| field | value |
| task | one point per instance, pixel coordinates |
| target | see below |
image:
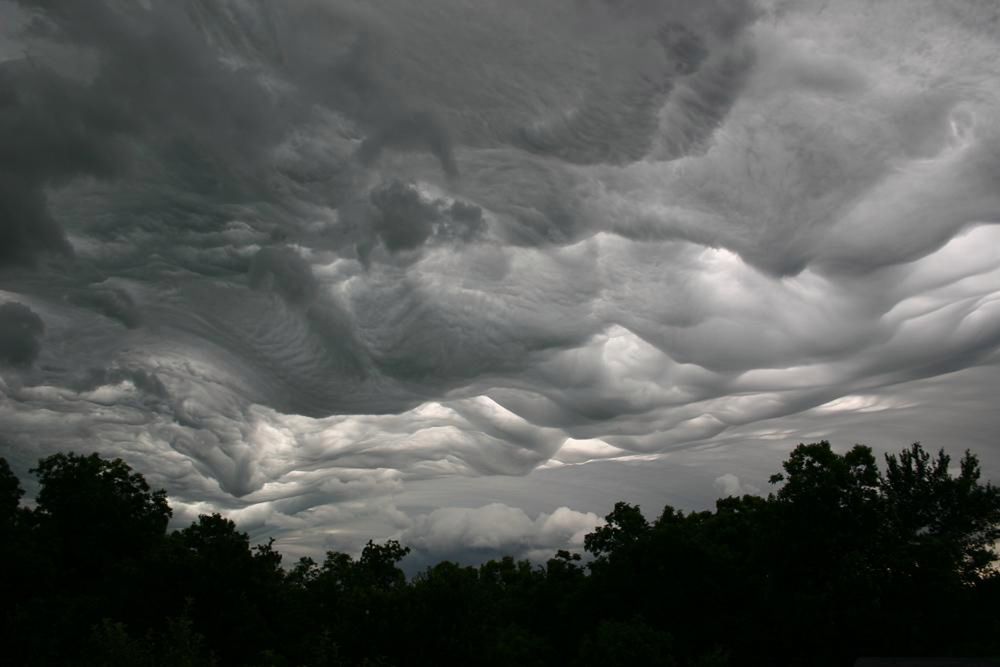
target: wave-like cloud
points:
(288, 260)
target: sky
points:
(464, 273)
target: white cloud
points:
(498, 528)
(730, 485)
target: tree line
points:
(843, 559)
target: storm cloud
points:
(20, 333)
(305, 262)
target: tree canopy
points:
(98, 503)
(843, 559)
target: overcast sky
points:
(466, 272)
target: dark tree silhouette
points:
(90, 505)
(934, 519)
(841, 560)
(625, 526)
(10, 496)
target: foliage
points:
(88, 502)
(10, 495)
(843, 559)
(625, 526)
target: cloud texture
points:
(293, 261)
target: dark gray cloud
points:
(340, 57)
(404, 219)
(142, 380)
(284, 271)
(116, 304)
(688, 59)
(21, 330)
(303, 261)
(51, 130)
(413, 130)
(151, 82)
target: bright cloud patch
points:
(498, 529)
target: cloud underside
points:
(292, 261)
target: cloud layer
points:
(295, 261)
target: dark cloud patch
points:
(341, 59)
(158, 99)
(684, 48)
(464, 222)
(21, 330)
(701, 99)
(283, 270)
(415, 130)
(147, 382)
(27, 228)
(466, 213)
(193, 94)
(116, 304)
(51, 131)
(403, 219)
(675, 63)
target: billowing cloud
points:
(116, 304)
(496, 529)
(298, 261)
(730, 485)
(285, 272)
(51, 131)
(21, 330)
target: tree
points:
(214, 538)
(841, 560)
(625, 526)
(13, 550)
(872, 555)
(632, 642)
(816, 475)
(84, 552)
(936, 522)
(829, 510)
(915, 517)
(97, 508)
(377, 566)
(10, 495)
(230, 589)
(176, 645)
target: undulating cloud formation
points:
(466, 272)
